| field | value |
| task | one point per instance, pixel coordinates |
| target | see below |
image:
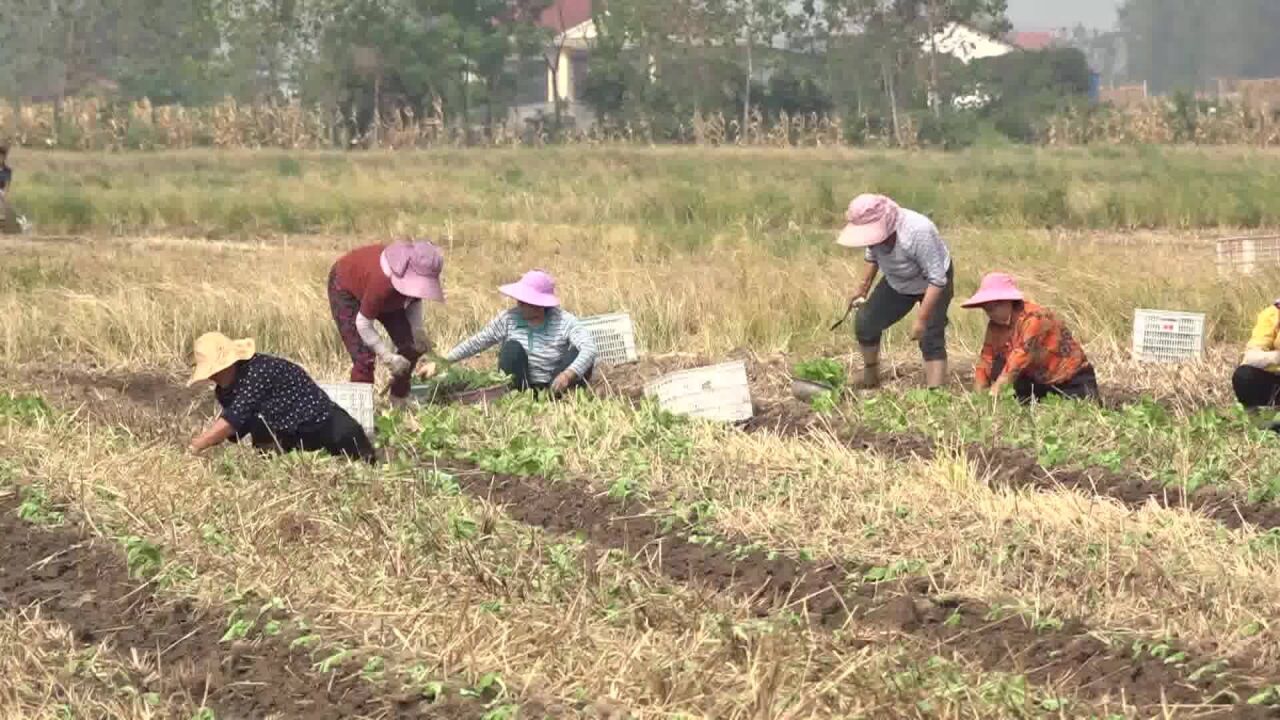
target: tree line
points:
(657, 61)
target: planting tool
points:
(806, 390)
(855, 304)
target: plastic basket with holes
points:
(356, 399)
(1167, 336)
(717, 392)
(615, 338)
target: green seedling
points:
(490, 686)
(24, 408)
(823, 371)
(272, 628)
(204, 713)
(374, 669)
(333, 661)
(36, 508)
(825, 403)
(238, 629)
(304, 641)
(502, 712)
(892, 571)
(1267, 696)
(143, 558)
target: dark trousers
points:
(514, 361)
(344, 307)
(1082, 386)
(887, 306)
(1256, 388)
(339, 435)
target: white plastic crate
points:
(1247, 255)
(615, 337)
(1167, 336)
(356, 399)
(717, 392)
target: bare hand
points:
(918, 328)
(563, 380)
(427, 371)
(859, 298)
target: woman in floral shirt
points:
(1027, 346)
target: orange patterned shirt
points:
(1036, 344)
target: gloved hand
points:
(422, 344)
(398, 364)
(1261, 359)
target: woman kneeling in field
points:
(542, 346)
(1027, 346)
(1257, 381)
(272, 401)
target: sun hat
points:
(995, 287)
(215, 352)
(536, 288)
(414, 269)
(871, 220)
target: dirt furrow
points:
(832, 594)
(84, 583)
(1016, 468)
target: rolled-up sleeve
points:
(580, 337)
(931, 255)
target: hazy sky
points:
(1045, 14)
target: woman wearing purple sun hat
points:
(906, 248)
(542, 346)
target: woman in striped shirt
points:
(541, 345)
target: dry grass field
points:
(897, 554)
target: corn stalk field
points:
(96, 124)
(894, 553)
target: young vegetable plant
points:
(823, 371)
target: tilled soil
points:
(831, 595)
(84, 584)
(1004, 466)
(1017, 468)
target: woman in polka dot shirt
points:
(272, 401)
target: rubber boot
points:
(870, 367)
(935, 373)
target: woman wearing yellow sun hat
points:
(272, 401)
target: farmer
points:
(1027, 346)
(906, 247)
(386, 283)
(1257, 381)
(272, 401)
(6, 172)
(541, 345)
(9, 222)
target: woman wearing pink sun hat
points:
(917, 267)
(1028, 347)
(387, 284)
(542, 346)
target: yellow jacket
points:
(1266, 334)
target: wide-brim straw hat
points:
(995, 287)
(215, 352)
